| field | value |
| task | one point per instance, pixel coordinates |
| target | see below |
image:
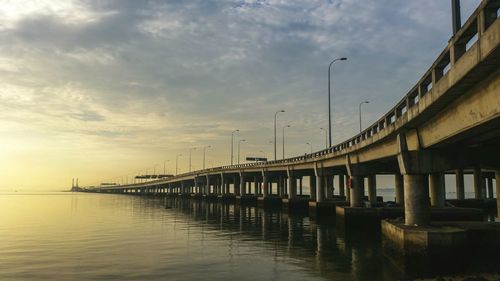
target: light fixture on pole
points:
(311, 146)
(232, 141)
(190, 150)
(360, 113)
(329, 102)
(326, 137)
(177, 164)
(204, 152)
(275, 115)
(287, 126)
(239, 142)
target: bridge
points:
(449, 122)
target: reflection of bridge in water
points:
(448, 122)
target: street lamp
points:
(232, 138)
(329, 103)
(311, 146)
(287, 126)
(360, 113)
(275, 114)
(326, 137)
(209, 146)
(239, 142)
(177, 163)
(190, 150)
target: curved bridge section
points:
(449, 121)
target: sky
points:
(102, 90)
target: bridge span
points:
(447, 123)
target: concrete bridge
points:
(449, 122)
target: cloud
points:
(156, 77)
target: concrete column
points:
(341, 185)
(497, 177)
(329, 187)
(398, 182)
(265, 187)
(312, 188)
(348, 190)
(256, 183)
(222, 185)
(437, 189)
(416, 191)
(372, 189)
(478, 183)
(243, 188)
(320, 194)
(460, 186)
(280, 186)
(358, 186)
(236, 186)
(300, 185)
(490, 187)
(292, 184)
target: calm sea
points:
(75, 236)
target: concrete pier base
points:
(417, 249)
(226, 197)
(295, 203)
(269, 201)
(246, 199)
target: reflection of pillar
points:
(312, 187)
(358, 186)
(478, 183)
(416, 190)
(398, 182)
(437, 190)
(341, 185)
(459, 173)
(372, 188)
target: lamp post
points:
(177, 164)
(311, 146)
(287, 126)
(239, 142)
(329, 98)
(326, 137)
(232, 141)
(190, 150)
(360, 113)
(205, 150)
(275, 115)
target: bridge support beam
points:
(292, 184)
(459, 174)
(372, 189)
(358, 186)
(400, 195)
(416, 190)
(437, 189)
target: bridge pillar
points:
(312, 187)
(265, 186)
(341, 185)
(280, 186)
(459, 174)
(237, 186)
(478, 183)
(329, 186)
(372, 189)
(398, 182)
(416, 192)
(358, 186)
(243, 188)
(497, 176)
(292, 184)
(437, 189)
(300, 185)
(256, 181)
(222, 185)
(490, 187)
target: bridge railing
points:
(463, 41)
